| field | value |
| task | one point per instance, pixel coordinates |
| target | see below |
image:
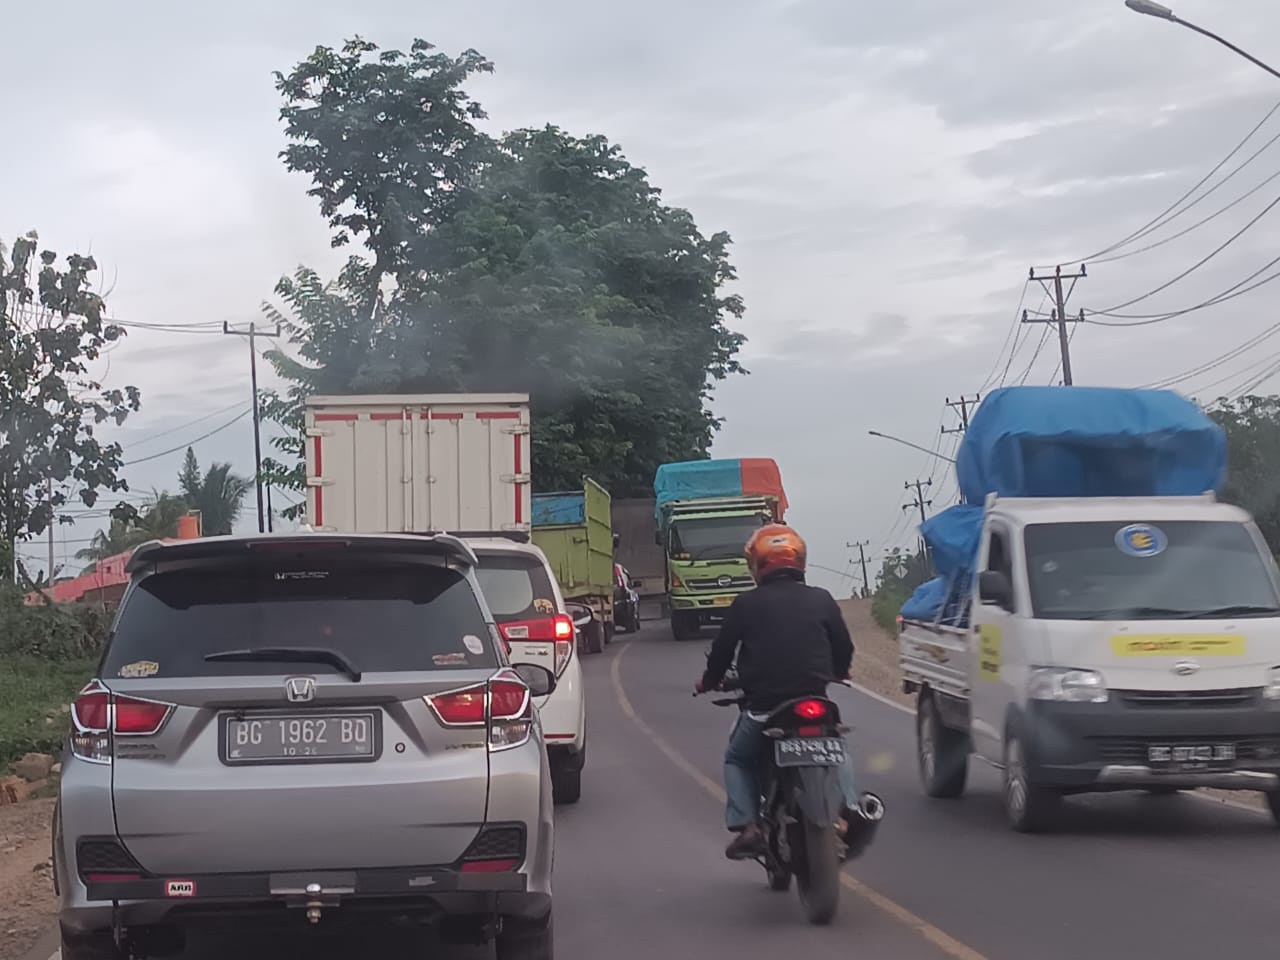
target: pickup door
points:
(997, 658)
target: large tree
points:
(52, 327)
(540, 262)
(1252, 426)
(158, 519)
(218, 494)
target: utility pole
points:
(49, 492)
(1060, 313)
(862, 559)
(253, 333)
(919, 503)
(962, 406)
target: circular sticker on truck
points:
(1141, 540)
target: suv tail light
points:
(98, 714)
(558, 630)
(503, 702)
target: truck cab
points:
(705, 567)
(1103, 643)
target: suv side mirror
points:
(540, 681)
(994, 587)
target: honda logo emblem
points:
(299, 689)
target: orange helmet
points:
(775, 546)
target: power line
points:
(1194, 267)
(204, 436)
(184, 426)
(1164, 216)
(1013, 332)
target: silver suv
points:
(307, 731)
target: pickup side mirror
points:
(635, 583)
(994, 587)
(540, 681)
(616, 540)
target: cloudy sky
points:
(888, 178)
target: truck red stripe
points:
(319, 490)
(443, 416)
(516, 486)
(498, 415)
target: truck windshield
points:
(713, 538)
(1166, 571)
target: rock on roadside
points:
(34, 766)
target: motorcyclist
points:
(789, 639)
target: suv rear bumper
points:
(427, 894)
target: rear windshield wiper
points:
(1237, 610)
(289, 655)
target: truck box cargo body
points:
(418, 462)
(706, 510)
(575, 532)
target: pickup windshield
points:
(1077, 571)
(713, 538)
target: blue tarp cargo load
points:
(1064, 442)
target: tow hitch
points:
(313, 894)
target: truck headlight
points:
(1069, 686)
(1272, 690)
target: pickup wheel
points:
(941, 753)
(94, 946)
(526, 940)
(1029, 807)
(593, 636)
(1273, 804)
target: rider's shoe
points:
(747, 844)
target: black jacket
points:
(787, 636)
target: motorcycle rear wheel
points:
(818, 879)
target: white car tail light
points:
(558, 630)
(503, 704)
(98, 715)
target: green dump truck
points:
(575, 531)
(706, 511)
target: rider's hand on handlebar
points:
(699, 688)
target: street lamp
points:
(1150, 8)
(908, 443)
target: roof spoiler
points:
(208, 548)
(515, 536)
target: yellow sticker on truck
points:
(1178, 645)
(989, 652)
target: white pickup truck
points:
(1105, 644)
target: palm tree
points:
(157, 520)
(218, 495)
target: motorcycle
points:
(801, 801)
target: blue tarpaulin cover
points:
(1089, 442)
(697, 479)
(559, 509)
(1064, 442)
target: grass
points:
(31, 688)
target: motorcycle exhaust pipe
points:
(863, 822)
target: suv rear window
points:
(382, 615)
(517, 587)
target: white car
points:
(531, 614)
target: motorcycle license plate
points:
(809, 752)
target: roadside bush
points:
(887, 603)
(49, 632)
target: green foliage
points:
(1252, 426)
(33, 695)
(157, 520)
(900, 574)
(218, 495)
(51, 631)
(543, 263)
(50, 405)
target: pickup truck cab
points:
(1103, 644)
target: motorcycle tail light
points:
(810, 709)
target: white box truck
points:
(413, 463)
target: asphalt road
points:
(640, 870)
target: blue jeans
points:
(741, 778)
